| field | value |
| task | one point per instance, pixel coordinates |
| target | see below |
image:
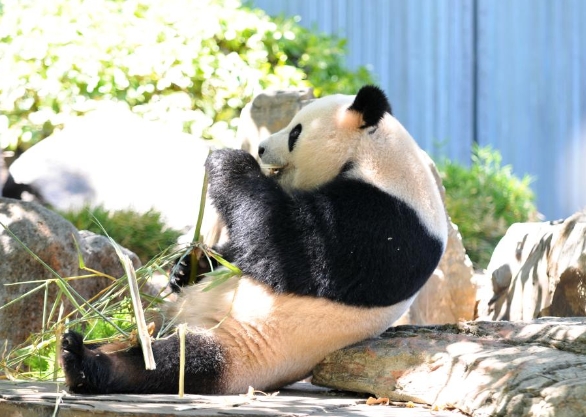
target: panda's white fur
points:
(276, 338)
(303, 294)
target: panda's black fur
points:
(313, 243)
(372, 108)
(343, 249)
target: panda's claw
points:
(180, 273)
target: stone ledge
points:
(39, 399)
(481, 368)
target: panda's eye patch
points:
(293, 136)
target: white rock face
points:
(114, 158)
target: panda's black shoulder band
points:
(372, 103)
(348, 166)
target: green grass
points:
(144, 234)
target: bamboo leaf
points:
(235, 270)
(79, 255)
(197, 238)
(219, 278)
(23, 296)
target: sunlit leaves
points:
(191, 64)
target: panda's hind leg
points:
(114, 368)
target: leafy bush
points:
(319, 56)
(144, 234)
(192, 64)
(484, 200)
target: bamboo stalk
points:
(197, 238)
(181, 330)
(141, 327)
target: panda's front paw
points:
(179, 276)
(181, 272)
(226, 164)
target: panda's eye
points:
(293, 136)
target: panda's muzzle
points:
(272, 169)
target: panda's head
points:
(333, 134)
(323, 138)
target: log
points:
(480, 368)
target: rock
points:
(481, 368)
(38, 398)
(2, 171)
(537, 269)
(450, 293)
(52, 239)
(114, 158)
(99, 254)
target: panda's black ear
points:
(372, 103)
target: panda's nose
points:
(261, 150)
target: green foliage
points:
(319, 56)
(98, 329)
(484, 200)
(191, 64)
(38, 359)
(144, 234)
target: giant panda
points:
(334, 246)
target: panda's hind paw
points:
(72, 360)
(72, 343)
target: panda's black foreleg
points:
(116, 369)
(248, 201)
(259, 215)
(265, 235)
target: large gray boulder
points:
(114, 158)
(52, 239)
(267, 113)
(537, 269)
